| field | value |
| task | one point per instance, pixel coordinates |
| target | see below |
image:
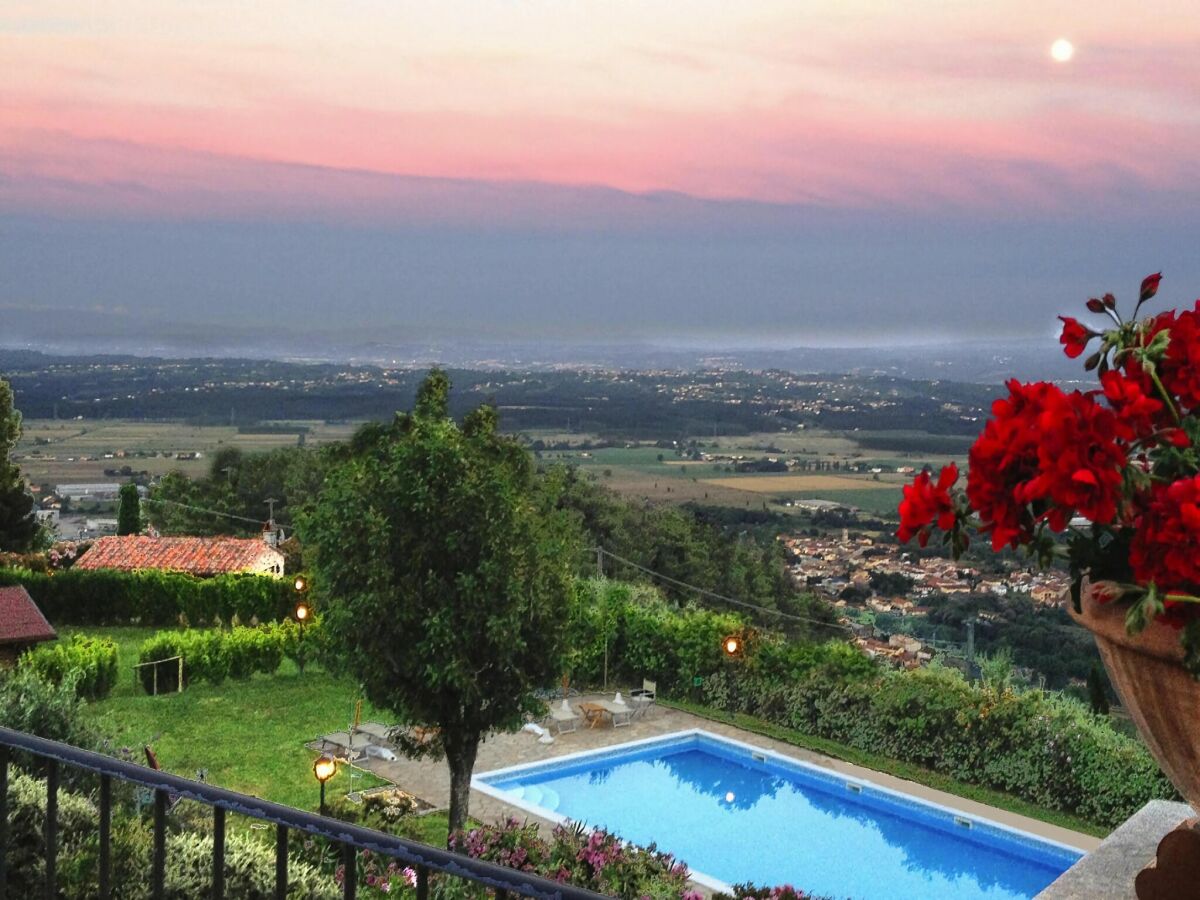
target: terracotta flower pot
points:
(1161, 697)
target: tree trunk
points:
(460, 757)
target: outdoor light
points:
(729, 798)
(732, 645)
(303, 612)
(324, 768)
(300, 584)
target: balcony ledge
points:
(1109, 870)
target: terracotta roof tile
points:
(194, 555)
(21, 622)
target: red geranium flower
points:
(1080, 460)
(1179, 369)
(1004, 463)
(1140, 415)
(1166, 544)
(1074, 337)
(925, 504)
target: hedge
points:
(92, 661)
(1046, 749)
(645, 637)
(213, 655)
(109, 597)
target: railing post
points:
(158, 871)
(349, 872)
(105, 837)
(281, 861)
(218, 892)
(3, 823)
(422, 883)
(51, 833)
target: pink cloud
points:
(778, 109)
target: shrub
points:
(26, 844)
(212, 655)
(595, 860)
(33, 704)
(644, 635)
(107, 597)
(93, 660)
(754, 892)
(249, 863)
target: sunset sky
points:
(597, 168)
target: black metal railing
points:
(424, 859)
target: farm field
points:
(794, 484)
(58, 452)
(658, 475)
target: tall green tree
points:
(443, 577)
(129, 513)
(1097, 695)
(19, 528)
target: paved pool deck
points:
(430, 779)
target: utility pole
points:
(600, 562)
(971, 645)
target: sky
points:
(830, 171)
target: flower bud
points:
(1150, 286)
(1110, 301)
(1096, 306)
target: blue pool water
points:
(737, 815)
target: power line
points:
(721, 597)
(199, 509)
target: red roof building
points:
(21, 623)
(193, 555)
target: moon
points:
(1062, 50)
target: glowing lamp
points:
(732, 645)
(302, 612)
(325, 768)
(729, 798)
(300, 584)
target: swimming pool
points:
(736, 813)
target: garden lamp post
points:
(733, 646)
(303, 611)
(324, 768)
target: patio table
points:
(593, 713)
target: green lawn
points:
(899, 769)
(249, 735)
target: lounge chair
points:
(618, 710)
(563, 718)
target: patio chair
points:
(644, 697)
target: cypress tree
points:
(129, 513)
